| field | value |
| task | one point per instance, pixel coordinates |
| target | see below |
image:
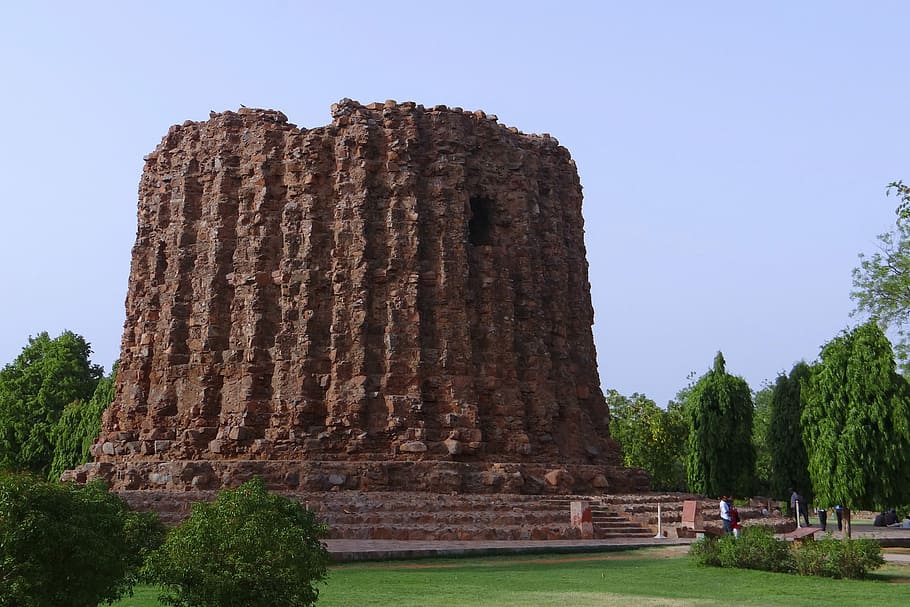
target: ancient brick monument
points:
(398, 300)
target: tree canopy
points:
(881, 283)
(650, 438)
(35, 388)
(789, 462)
(761, 421)
(78, 426)
(856, 423)
(721, 458)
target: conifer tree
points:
(789, 462)
(721, 458)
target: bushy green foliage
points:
(756, 548)
(828, 557)
(249, 548)
(789, 461)
(78, 426)
(706, 551)
(62, 546)
(856, 423)
(650, 438)
(721, 459)
(34, 389)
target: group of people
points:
(889, 519)
(729, 515)
(800, 508)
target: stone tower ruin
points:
(398, 300)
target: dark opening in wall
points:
(480, 225)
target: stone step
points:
(612, 536)
(622, 529)
(452, 518)
(464, 533)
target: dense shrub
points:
(852, 559)
(706, 551)
(62, 546)
(249, 548)
(757, 548)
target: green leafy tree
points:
(881, 283)
(721, 459)
(650, 438)
(62, 546)
(856, 423)
(78, 426)
(789, 461)
(34, 390)
(761, 420)
(249, 548)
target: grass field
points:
(649, 577)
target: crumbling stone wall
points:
(403, 285)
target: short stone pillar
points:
(582, 519)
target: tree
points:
(34, 389)
(881, 283)
(650, 438)
(761, 420)
(249, 548)
(78, 426)
(789, 462)
(856, 423)
(67, 546)
(721, 459)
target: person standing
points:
(798, 507)
(725, 515)
(838, 512)
(823, 518)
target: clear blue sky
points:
(734, 155)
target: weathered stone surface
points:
(404, 286)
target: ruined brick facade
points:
(399, 299)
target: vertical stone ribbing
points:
(216, 246)
(376, 292)
(316, 295)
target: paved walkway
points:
(383, 550)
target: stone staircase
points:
(610, 524)
(608, 520)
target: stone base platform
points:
(409, 516)
(418, 516)
(433, 476)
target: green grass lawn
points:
(647, 577)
